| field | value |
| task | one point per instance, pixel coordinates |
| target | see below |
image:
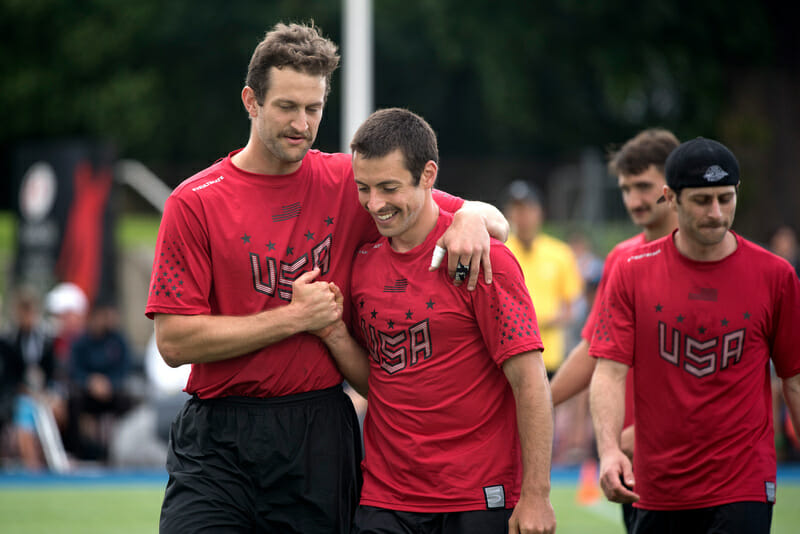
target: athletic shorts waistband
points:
(283, 400)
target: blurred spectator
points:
(100, 364)
(550, 269)
(39, 390)
(12, 373)
(140, 439)
(784, 243)
(66, 305)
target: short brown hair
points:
(648, 147)
(386, 130)
(297, 46)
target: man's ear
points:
(250, 102)
(429, 173)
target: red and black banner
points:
(65, 217)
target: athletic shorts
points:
(372, 520)
(734, 518)
(628, 517)
(285, 465)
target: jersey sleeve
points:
(614, 327)
(786, 318)
(181, 277)
(446, 201)
(503, 309)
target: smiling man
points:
(458, 427)
(697, 315)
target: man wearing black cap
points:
(698, 315)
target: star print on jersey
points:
(396, 286)
(309, 235)
(429, 305)
(409, 314)
(328, 221)
(270, 246)
(286, 212)
(168, 276)
(245, 238)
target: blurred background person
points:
(555, 284)
(784, 243)
(100, 364)
(31, 338)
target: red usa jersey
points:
(440, 431)
(232, 242)
(700, 336)
(589, 326)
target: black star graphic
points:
(390, 324)
(270, 246)
(374, 314)
(659, 307)
(680, 318)
(409, 313)
(309, 235)
(702, 330)
(429, 304)
(245, 238)
(724, 322)
(289, 251)
(328, 221)
(746, 315)
(361, 304)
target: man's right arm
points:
(607, 399)
(183, 339)
(574, 375)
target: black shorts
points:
(628, 517)
(734, 518)
(372, 520)
(288, 464)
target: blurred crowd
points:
(74, 391)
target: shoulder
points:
(644, 255)
(206, 178)
(333, 165)
(757, 255)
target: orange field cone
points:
(588, 489)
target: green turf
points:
(134, 510)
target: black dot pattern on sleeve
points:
(170, 267)
(513, 314)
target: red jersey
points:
(700, 336)
(231, 242)
(589, 326)
(440, 431)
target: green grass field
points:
(93, 509)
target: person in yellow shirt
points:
(549, 266)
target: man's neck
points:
(258, 160)
(697, 252)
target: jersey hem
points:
(434, 509)
(700, 504)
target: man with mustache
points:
(698, 315)
(246, 250)
(639, 167)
